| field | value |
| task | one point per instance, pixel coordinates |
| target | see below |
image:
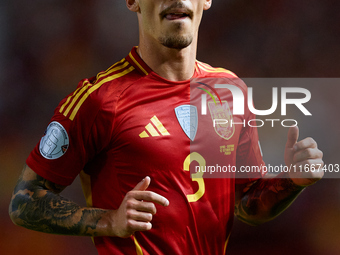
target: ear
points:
(132, 5)
(207, 4)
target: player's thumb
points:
(143, 184)
(293, 136)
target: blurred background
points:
(47, 46)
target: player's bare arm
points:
(266, 198)
(36, 204)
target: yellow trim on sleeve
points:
(95, 87)
(69, 98)
(86, 85)
(111, 69)
(79, 93)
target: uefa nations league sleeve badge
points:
(55, 142)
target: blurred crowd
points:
(47, 46)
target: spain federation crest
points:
(188, 119)
(218, 111)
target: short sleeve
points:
(79, 129)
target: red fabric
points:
(105, 141)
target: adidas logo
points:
(155, 128)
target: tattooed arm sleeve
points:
(37, 205)
(264, 199)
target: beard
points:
(176, 41)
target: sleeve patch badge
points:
(55, 142)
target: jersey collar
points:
(134, 59)
(137, 62)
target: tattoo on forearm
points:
(38, 206)
(267, 196)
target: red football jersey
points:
(127, 123)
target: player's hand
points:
(136, 210)
(304, 155)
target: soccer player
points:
(126, 132)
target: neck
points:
(171, 64)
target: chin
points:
(176, 42)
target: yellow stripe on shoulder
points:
(97, 86)
(69, 99)
(113, 68)
(76, 96)
(86, 84)
(210, 69)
